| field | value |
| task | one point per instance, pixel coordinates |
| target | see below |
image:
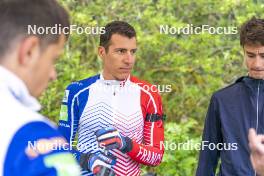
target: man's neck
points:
(107, 76)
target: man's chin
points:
(256, 76)
(37, 93)
(122, 77)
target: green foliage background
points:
(194, 65)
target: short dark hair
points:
(252, 32)
(116, 27)
(16, 15)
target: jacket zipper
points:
(257, 115)
(257, 109)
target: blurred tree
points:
(193, 65)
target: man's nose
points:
(129, 58)
(259, 62)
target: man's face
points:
(119, 60)
(254, 59)
(43, 69)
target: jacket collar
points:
(252, 83)
(18, 89)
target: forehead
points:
(120, 41)
(254, 48)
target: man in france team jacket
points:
(115, 110)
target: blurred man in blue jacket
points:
(30, 144)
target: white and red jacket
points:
(132, 106)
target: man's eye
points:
(121, 51)
(133, 51)
(251, 56)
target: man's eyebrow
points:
(251, 53)
(117, 49)
(120, 49)
(248, 52)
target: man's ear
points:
(101, 51)
(29, 50)
(244, 59)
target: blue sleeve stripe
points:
(90, 82)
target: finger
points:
(253, 139)
(110, 141)
(251, 134)
(113, 143)
(106, 159)
(99, 162)
(252, 161)
(261, 138)
(257, 148)
(104, 131)
(260, 148)
(111, 146)
(107, 136)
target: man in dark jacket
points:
(234, 110)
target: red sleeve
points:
(152, 149)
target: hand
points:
(256, 145)
(97, 161)
(110, 138)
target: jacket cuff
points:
(129, 145)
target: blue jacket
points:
(232, 111)
(30, 144)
